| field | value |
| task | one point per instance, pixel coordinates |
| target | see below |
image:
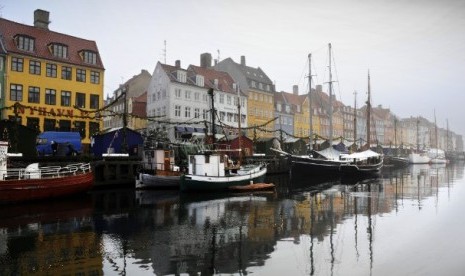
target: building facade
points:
(50, 80)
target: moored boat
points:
(362, 163)
(37, 183)
(210, 172)
(158, 170)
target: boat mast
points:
(239, 135)
(355, 119)
(368, 112)
(330, 100)
(210, 92)
(418, 134)
(310, 132)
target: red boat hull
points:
(37, 189)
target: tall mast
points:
(436, 131)
(418, 134)
(355, 119)
(330, 100)
(210, 92)
(239, 123)
(368, 112)
(310, 132)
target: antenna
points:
(218, 55)
(164, 52)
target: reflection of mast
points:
(331, 233)
(312, 221)
(370, 229)
(356, 222)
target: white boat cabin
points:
(207, 164)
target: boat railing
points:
(45, 172)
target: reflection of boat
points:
(35, 183)
(158, 170)
(418, 157)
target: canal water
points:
(406, 222)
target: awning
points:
(190, 129)
(179, 129)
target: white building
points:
(178, 102)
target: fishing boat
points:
(214, 171)
(37, 183)
(158, 170)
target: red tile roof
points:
(225, 81)
(43, 38)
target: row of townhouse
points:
(178, 103)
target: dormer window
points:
(199, 80)
(59, 50)
(89, 57)
(181, 76)
(25, 43)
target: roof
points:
(139, 106)
(43, 38)
(225, 81)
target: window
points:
(228, 100)
(81, 75)
(196, 96)
(94, 77)
(94, 101)
(65, 98)
(222, 114)
(34, 95)
(32, 123)
(94, 128)
(187, 112)
(188, 94)
(221, 98)
(34, 67)
(17, 64)
(59, 50)
(50, 96)
(90, 57)
(25, 43)
(81, 127)
(16, 92)
(177, 92)
(80, 100)
(49, 124)
(64, 125)
(196, 112)
(51, 70)
(177, 111)
(66, 72)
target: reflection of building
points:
(56, 78)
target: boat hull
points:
(154, 181)
(213, 183)
(314, 166)
(416, 158)
(12, 191)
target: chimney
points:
(177, 63)
(319, 88)
(205, 60)
(41, 19)
(243, 60)
(295, 89)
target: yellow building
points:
(50, 81)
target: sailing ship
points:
(366, 162)
(214, 171)
(37, 183)
(437, 155)
(327, 161)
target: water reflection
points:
(325, 225)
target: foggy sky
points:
(414, 50)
